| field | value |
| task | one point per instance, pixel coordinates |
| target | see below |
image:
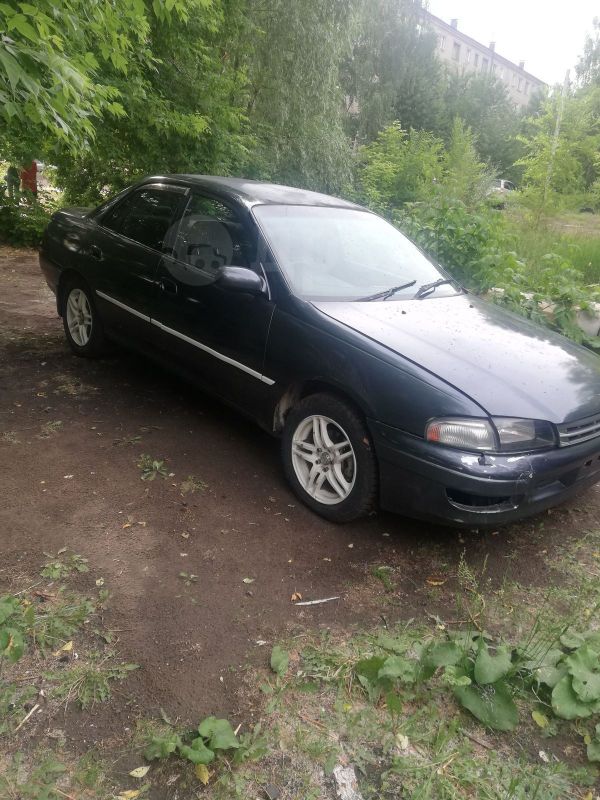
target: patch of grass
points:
(50, 428)
(384, 575)
(411, 740)
(42, 775)
(569, 237)
(89, 683)
(56, 621)
(127, 440)
(191, 485)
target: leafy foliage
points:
(57, 58)
(22, 224)
(214, 736)
(63, 564)
(150, 468)
(393, 73)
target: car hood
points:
(506, 364)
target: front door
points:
(217, 334)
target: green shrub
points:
(453, 235)
(22, 224)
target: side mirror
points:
(240, 279)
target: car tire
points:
(81, 321)
(328, 458)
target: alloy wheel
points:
(79, 317)
(323, 459)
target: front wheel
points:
(82, 324)
(328, 458)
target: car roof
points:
(252, 193)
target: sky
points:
(548, 35)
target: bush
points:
(22, 224)
(453, 235)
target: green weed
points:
(89, 683)
(62, 565)
(151, 468)
(191, 485)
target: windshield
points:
(343, 253)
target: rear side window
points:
(145, 216)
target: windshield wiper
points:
(426, 288)
(386, 293)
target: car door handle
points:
(167, 285)
(95, 252)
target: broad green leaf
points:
(572, 640)
(162, 746)
(566, 703)
(396, 667)
(444, 654)
(491, 668)
(393, 703)
(12, 68)
(455, 675)
(219, 733)
(8, 606)
(367, 669)
(584, 666)
(593, 750)
(25, 27)
(280, 660)
(197, 752)
(492, 704)
(12, 644)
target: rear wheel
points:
(328, 458)
(82, 324)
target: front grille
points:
(581, 430)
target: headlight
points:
(505, 435)
(464, 434)
(523, 434)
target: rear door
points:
(217, 334)
(128, 242)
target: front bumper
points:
(452, 487)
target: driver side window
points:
(211, 236)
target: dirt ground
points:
(70, 479)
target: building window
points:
(484, 65)
(456, 51)
(468, 56)
(520, 86)
(442, 42)
(476, 60)
(514, 80)
(527, 87)
(493, 69)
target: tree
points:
(588, 68)
(51, 57)
(184, 109)
(295, 104)
(393, 73)
(482, 102)
(399, 167)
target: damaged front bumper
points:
(452, 487)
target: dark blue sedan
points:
(388, 383)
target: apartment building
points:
(468, 55)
